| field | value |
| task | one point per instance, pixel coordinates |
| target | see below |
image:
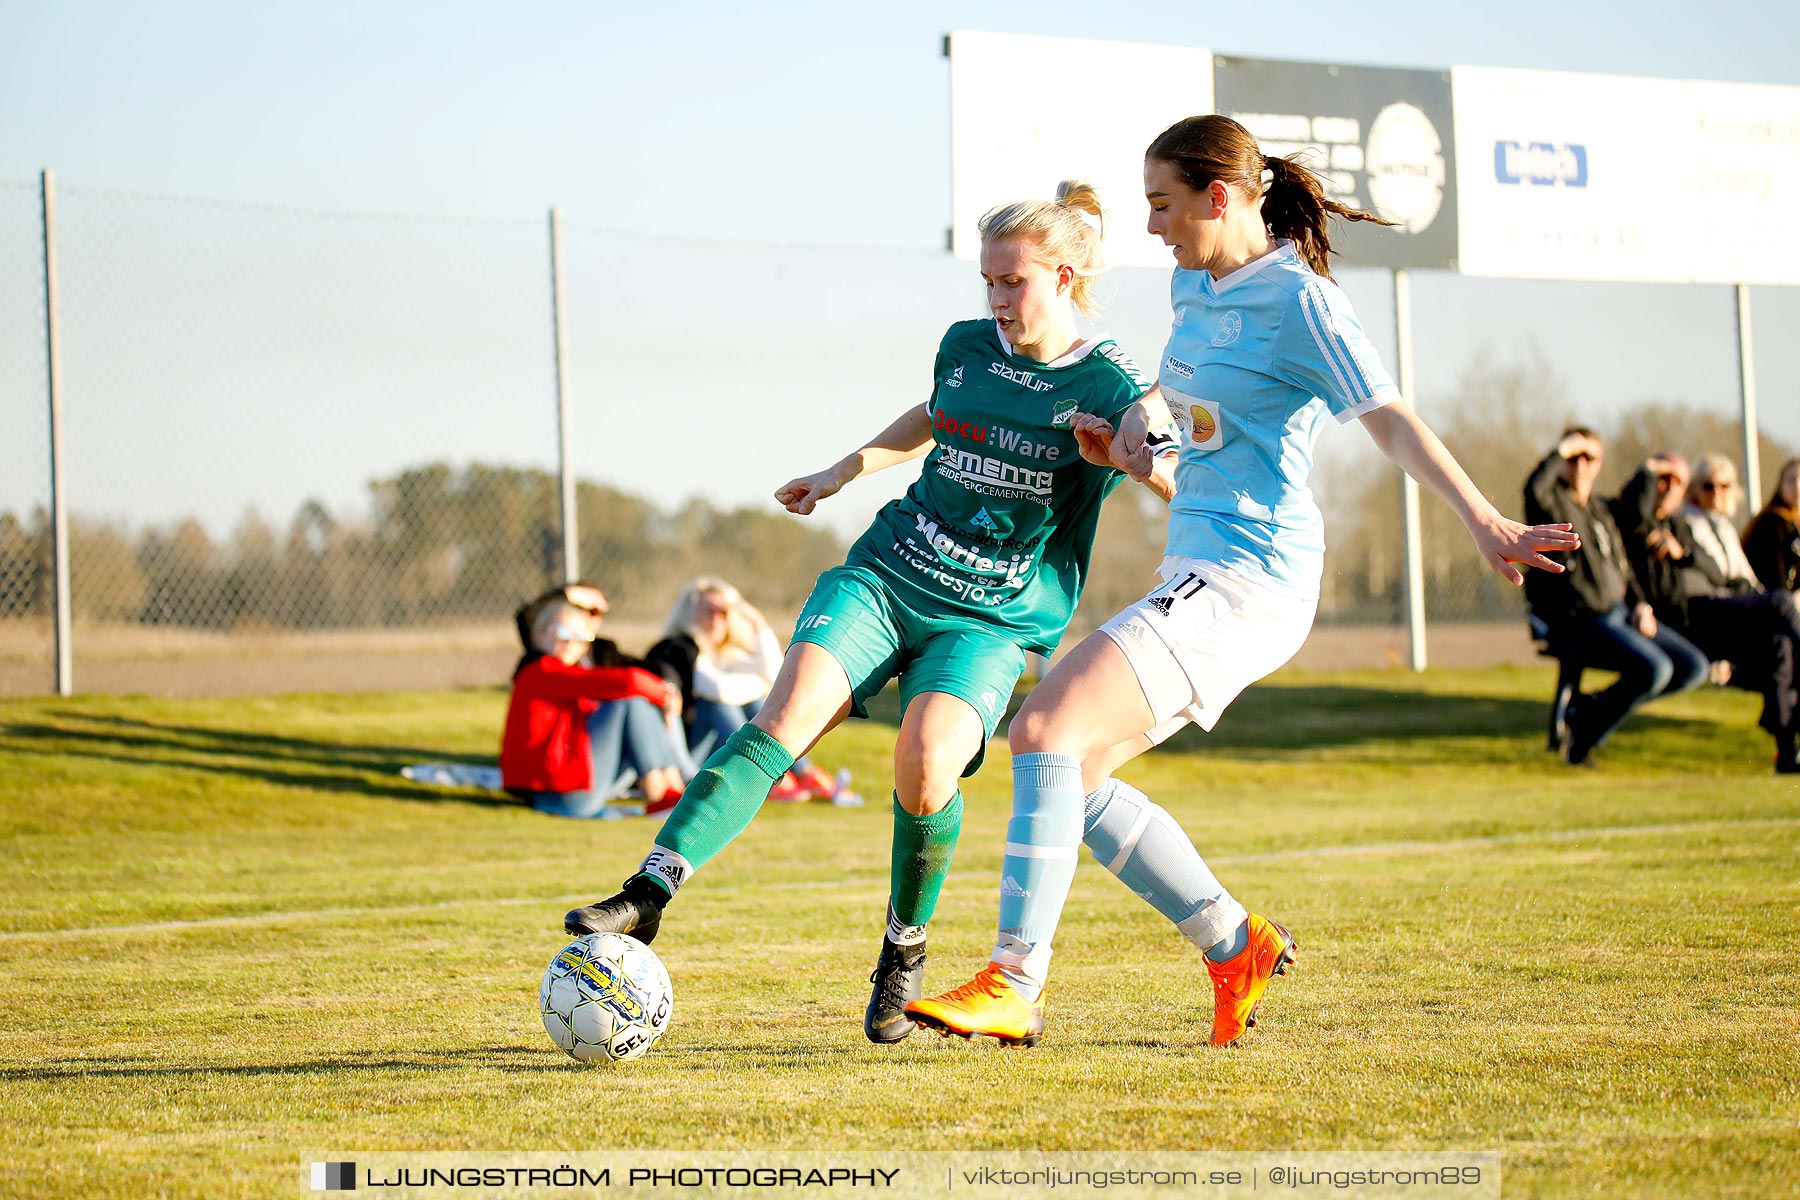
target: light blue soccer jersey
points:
(1255, 362)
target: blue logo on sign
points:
(1541, 164)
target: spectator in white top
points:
(1731, 616)
(726, 657)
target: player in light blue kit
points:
(1263, 353)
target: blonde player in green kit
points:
(982, 560)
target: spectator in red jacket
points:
(577, 736)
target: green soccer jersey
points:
(1000, 523)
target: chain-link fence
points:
(25, 632)
(311, 450)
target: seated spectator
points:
(1596, 611)
(1772, 543)
(583, 595)
(578, 735)
(725, 656)
(1725, 610)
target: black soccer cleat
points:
(636, 910)
(897, 977)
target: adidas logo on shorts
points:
(1162, 604)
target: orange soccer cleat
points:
(987, 1005)
(1240, 981)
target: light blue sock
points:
(1232, 946)
(1042, 841)
(1135, 839)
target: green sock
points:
(923, 846)
(719, 804)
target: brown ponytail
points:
(1294, 203)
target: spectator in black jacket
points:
(1596, 609)
(1772, 542)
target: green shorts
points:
(854, 617)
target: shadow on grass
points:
(269, 745)
(266, 758)
(517, 1058)
(1322, 717)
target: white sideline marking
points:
(1372, 849)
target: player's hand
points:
(1150, 413)
(1645, 619)
(1663, 546)
(1578, 443)
(1504, 542)
(590, 598)
(801, 495)
(1093, 437)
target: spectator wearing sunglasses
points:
(1596, 609)
(1728, 613)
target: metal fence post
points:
(1409, 487)
(565, 466)
(1747, 397)
(59, 510)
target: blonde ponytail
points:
(1068, 232)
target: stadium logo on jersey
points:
(1177, 367)
(1207, 430)
(1024, 379)
(1404, 160)
(1231, 323)
(1063, 413)
(954, 379)
(1541, 164)
(981, 520)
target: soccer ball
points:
(605, 998)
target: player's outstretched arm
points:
(905, 439)
(1101, 445)
(1409, 442)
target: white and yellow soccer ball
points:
(605, 998)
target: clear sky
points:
(806, 125)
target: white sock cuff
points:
(903, 935)
(1026, 967)
(1216, 920)
(667, 868)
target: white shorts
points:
(1202, 636)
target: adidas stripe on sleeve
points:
(1324, 350)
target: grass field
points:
(231, 933)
